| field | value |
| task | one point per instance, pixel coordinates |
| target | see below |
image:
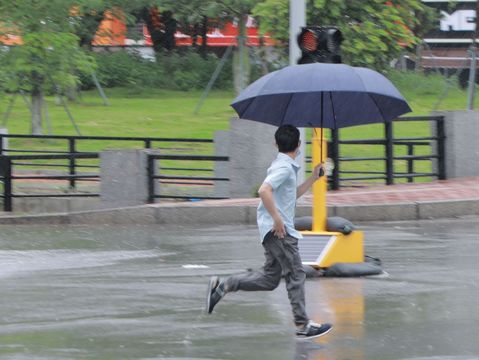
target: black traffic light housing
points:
(320, 44)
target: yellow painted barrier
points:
(323, 249)
(320, 248)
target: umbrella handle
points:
(320, 144)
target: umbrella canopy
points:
(321, 95)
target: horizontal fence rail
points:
(189, 182)
(176, 174)
(52, 146)
(7, 176)
(390, 145)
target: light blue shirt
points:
(282, 176)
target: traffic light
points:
(320, 44)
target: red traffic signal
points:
(320, 44)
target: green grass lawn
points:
(169, 114)
(151, 113)
(159, 113)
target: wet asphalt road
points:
(112, 292)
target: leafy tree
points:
(238, 11)
(87, 15)
(161, 26)
(194, 18)
(191, 12)
(49, 57)
(427, 18)
(375, 31)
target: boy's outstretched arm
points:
(318, 171)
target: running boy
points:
(275, 217)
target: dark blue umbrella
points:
(321, 95)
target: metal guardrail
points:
(7, 176)
(71, 160)
(437, 142)
(73, 142)
(189, 181)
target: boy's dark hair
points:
(287, 138)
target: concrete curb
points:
(204, 214)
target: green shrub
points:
(183, 69)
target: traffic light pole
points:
(297, 20)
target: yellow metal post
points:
(323, 248)
(320, 187)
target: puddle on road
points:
(138, 292)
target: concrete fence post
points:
(124, 179)
(461, 144)
(222, 168)
(252, 148)
(3, 141)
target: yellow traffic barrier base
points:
(320, 248)
(323, 249)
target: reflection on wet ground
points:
(137, 292)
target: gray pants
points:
(282, 258)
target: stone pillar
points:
(4, 141)
(124, 179)
(462, 145)
(222, 168)
(252, 148)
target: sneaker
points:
(312, 330)
(216, 291)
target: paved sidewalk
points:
(445, 190)
(457, 189)
(403, 202)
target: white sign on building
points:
(459, 20)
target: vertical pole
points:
(335, 156)
(72, 120)
(147, 144)
(71, 166)
(297, 19)
(100, 89)
(472, 79)
(441, 148)
(410, 162)
(150, 170)
(388, 130)
(7, 185)
(1, 145)
(241, 44)
(472, 70)
(320, 186)
(213, 78)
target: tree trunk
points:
(161, 26)
(36, 111)
(241, 64)
(170, 24)
(152, 20)
(204, 36)
(263, 56)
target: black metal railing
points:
(190, 183)
(73, 143)
(180, 169)
(8, 176)
(436, 143)
(60, 159)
